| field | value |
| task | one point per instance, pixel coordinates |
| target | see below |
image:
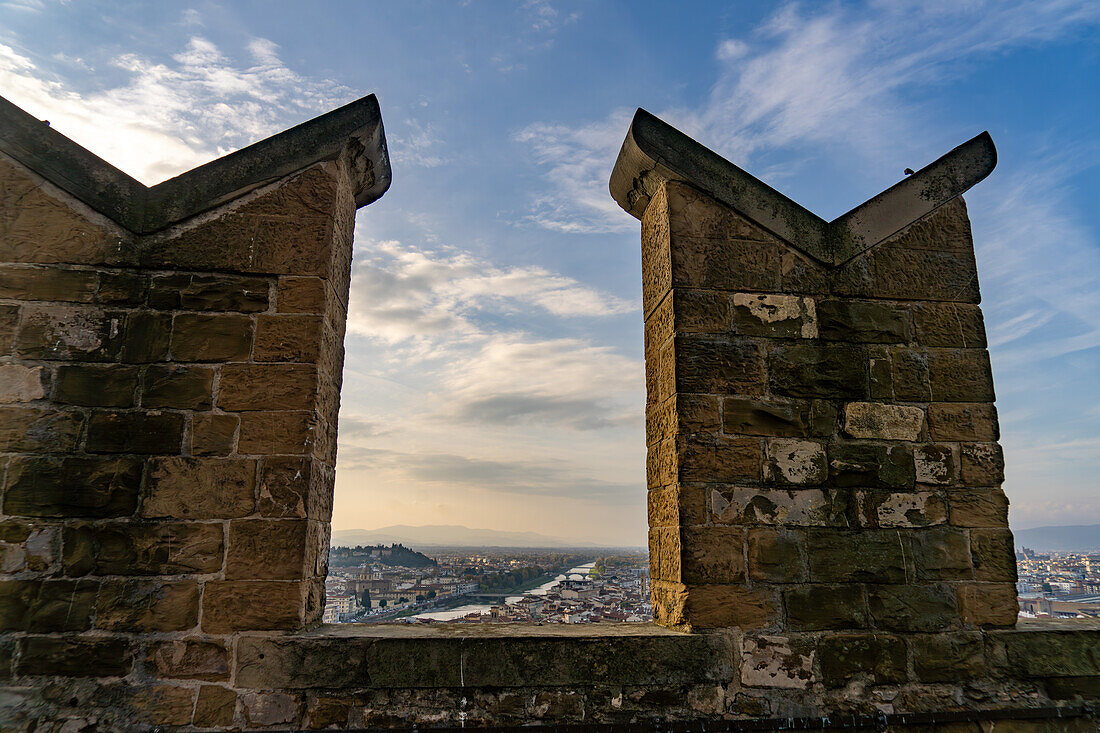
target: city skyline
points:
(494, 370)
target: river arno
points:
(578, 573)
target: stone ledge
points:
(654, 152)
(353, 132)
(490, 655)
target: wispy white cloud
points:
(169, 117)
(578, 161)
(459, 324)
(404, 293)
(807, 79)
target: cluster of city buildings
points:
(474, 587)
(1058, 584)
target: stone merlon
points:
(352, 132)
(654, 152)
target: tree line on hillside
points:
(395, 554)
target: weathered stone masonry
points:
(824, 475)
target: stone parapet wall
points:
(822, 441)
(824, 477)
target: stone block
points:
(775, 556)
(982, 464)
(200, 488)
(189, 659)
(301, 295)
(27, 282)
(1066, 653)
(726, 606)
(871, 465)
(273, 663)
(49, 656)
(692, 213)
(269, 549)
(833, 371)
(147, 605)
(706, 458)
(166, 705)
(252, 387)
(784, 419)
(1073, 688)
(949, 657)
(956, 421)
(670, 506)
(878, 657)
(665, 554)
(198, 292)
(72, 487)
(275, 433)
(29, 545)
(898, 272)
(122, 288)
(288, 338)
(901, 509)
(147, 548)
(957, 325)
(847, 556)
(825, 607)
(993, 555)
(20, 383)
(880, 376)
(710, 366)
(774, 316)
(147, 337)
(988, 605)
(941, 553)
(135, 432)
(263, 709)
(36, 430)
(682, 414)
(960, 375)
(333, 711)
(43, 229)
(214, 434)
(9, 322)
(935, 464)
(786, 507)
(215, 707)
(978, 508)
(910, 379)
(252, 605)
(71, 333)
(712, 555)
(296, 487)
(111, 385)
(795, 463)
(777, 661)
(863, 321)
(920, 608)
(883, 422)
(198, 337)
(286, 230)
(180, 387)
(43, 606)
(731, 265)
(695, 311)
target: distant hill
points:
(447, 535)
(394, 554)
(1071, 538)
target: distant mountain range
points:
(448, 535)
(1071, 538)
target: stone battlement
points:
(829, 540)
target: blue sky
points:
(494, 368)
